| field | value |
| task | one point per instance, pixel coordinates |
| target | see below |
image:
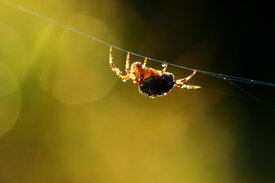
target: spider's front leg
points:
(127, 64)
(144, 63)
(116, 70)
(182, 82)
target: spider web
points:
(231, 79)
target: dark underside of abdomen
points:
(157, 85)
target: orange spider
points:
(151, 82)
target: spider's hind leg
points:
(116, 70)
(165, 65)
(182, 82)
(187, 86)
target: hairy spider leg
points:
(164, 68)
(187, 86)
(144, 63)
(116, 70)
(182, 82)
(127, 64)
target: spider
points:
(151, 82)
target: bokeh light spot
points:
(13, 51)
(81, 72)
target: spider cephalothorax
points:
(151, 82)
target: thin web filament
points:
(228, 78)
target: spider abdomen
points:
(157, 85)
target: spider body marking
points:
(151, 82)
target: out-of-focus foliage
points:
(66, 117)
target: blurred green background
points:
(66, 117)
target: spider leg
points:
(127, 64)
(144, 63)
(183, 85)
(116, 70)
(182, 82)
(165, 65)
